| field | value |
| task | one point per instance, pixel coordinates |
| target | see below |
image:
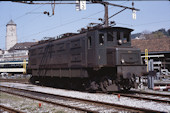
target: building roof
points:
(22, 46)
(11, 22)
(153, 45)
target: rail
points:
(122, 107)
(144, 96)
(10, 110)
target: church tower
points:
(11, 35)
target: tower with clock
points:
(11, 35)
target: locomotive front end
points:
(121, 63)
(129, 67)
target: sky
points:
(33, 25)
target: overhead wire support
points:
(31, 2)
(99, 2)
(25, 2)
(117, 13)
(132, 8)
(106, 18)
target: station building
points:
(18, 52)
(15, 56)
(14, 51)
(158, 51)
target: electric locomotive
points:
(95, 59)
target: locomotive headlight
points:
(122, 61)
(120, 42)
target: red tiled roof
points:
(153, 45)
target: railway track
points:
(162, 98)
(6, 109)
(151, 93)
(15, 80)
(74, 103)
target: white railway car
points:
(13, 67)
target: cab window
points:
(118, 35)
(101, 39)
(125, 37)
(110, 36)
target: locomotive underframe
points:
(92, 79)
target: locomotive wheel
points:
(126, 88)
(126, 85)
(32, 80)
(104, 84)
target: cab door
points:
(90, 49)
(101, 48)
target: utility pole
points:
(106, 18)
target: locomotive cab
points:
(117, 63)
(109, 39)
